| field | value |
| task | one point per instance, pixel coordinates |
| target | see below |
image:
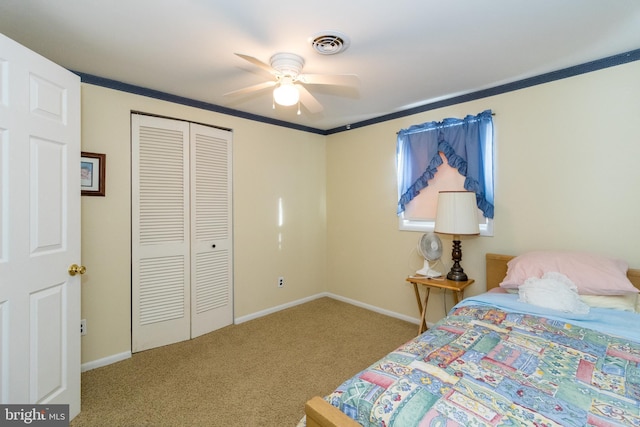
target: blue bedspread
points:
(616, 322)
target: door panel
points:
(160, 232)
(4, 351)
(47, 196)
(47, 342)
(40, 230)
(211, 233)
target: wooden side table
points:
(440, 283)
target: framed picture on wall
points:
(92, 174)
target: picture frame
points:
(92, 174)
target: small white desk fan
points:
(430, 247)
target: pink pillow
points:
(592, 274)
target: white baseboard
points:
(105, 361)
(277, 308)
(376, 309)
(330, 295)
(127, 354)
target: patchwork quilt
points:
(482, 366)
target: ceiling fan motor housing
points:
(287, 64)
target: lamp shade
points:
(457, 213)
(286, 93)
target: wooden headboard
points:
(497, 270)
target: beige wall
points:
(567, 156)
(567, 177)
(269, 163)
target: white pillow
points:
(554, 291)
(617, 302)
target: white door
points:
(160, 232)
(211, 230)
(182, 254)
(39, 230)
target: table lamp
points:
(457, 215)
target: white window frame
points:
(426, 226)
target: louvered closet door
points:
(211, 243)
(160, 232)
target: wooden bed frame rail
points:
(321, 413)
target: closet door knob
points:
(213, 246)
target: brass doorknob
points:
(77, 269)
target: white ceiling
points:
(406, 52)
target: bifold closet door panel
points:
(161, 270)
(211, 230)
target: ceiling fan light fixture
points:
(286, 94)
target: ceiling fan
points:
(286, 70)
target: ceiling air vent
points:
(329, 43)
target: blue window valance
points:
(467, 145)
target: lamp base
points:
(457, 274)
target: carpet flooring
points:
(258, 373)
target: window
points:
(455, 154)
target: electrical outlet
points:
(83, 327)
(281, 282)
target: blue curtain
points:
(466, 143)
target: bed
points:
(491, 362)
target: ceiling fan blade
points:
(329, 79)
(259, 86)
(309, 101)
(258, 63)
